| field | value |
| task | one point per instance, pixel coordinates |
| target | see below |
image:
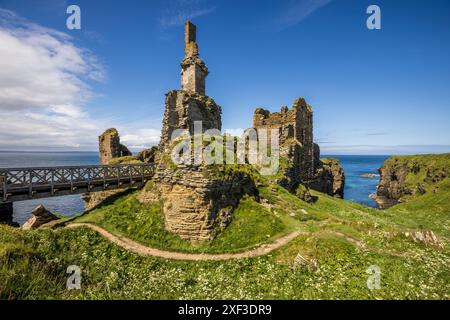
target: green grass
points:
(24, 273)
(343, 237)
(429, 211)
(110, 272)
(124, 160)
(252, 225)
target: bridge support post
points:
(6, 212)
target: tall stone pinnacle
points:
(190, 43)
(193, 69)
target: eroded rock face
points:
(197, 206)
(93, 199)
(40, 216)
(110, 146)
(329, 179)
(338, 175)
(392, 185)
(403, 178)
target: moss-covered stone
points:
(125, 160)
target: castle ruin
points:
(197, 201)
(295, 129)
(196, 205)
(190, 104)
(110, 146)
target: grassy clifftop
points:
(421, 187)
(407, 177)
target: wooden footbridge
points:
(18, 184)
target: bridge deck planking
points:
(18, 184)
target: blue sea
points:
(357, 187)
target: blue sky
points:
(373, 91)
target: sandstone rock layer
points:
(40, 216)
(196, 205)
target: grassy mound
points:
(252, 225)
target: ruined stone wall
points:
(296, 136)
(182, 109)
(297, 147)
(284, 121)
(304, 134)
(110, 146)
(295, 123)
(196, 206)
(193, 76)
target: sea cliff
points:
(403, 178)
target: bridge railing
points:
(53, 179)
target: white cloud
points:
(178, 11)
(44, 92)
(298, 10)
(140, 138)
(44, 87)
(41, 67)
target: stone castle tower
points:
(295, 127)
(193, 69)
(190, 104)
(196, 206)
(296, 135)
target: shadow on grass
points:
(106, 202)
